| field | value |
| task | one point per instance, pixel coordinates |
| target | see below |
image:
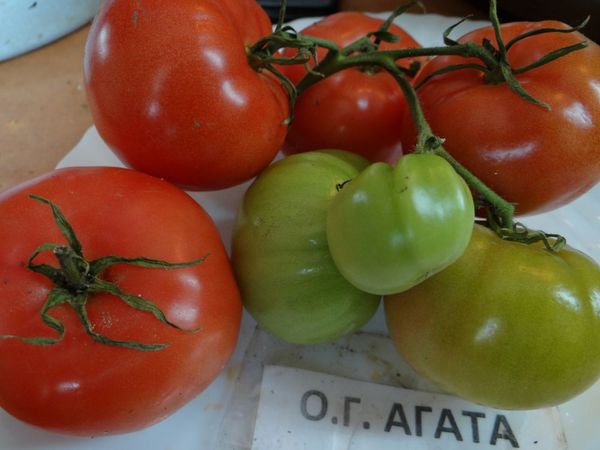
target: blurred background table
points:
(43, 109)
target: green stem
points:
(74, 268)
(364, 53)
(545, 31)
(382, 33)
(281, 18)
(502, 210)
(505, 73)
(550, 56)
(427, 142)
(326, 68)
(493, 13)
(76, 280)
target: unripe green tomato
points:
(392, 227)
(508, 325)
(287, 278)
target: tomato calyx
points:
(265, 54)
(495, 66)
(76, 279)
(520, 233)
(260, 58)
(262, 55)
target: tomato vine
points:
(265, 54)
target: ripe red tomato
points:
(357, 110)
(535, 158)
(83, 387)
(171, 91)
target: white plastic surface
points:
(193, 427)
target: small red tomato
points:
(357, 110)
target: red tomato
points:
(171, 91)
(535, 158)
(79, 386)
(355, 110)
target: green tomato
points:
(508, 325)
(391, 228)
(288, 281)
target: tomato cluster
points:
(191, 92)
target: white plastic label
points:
(300, 409)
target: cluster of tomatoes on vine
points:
(393, 149)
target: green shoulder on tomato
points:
(509, 325)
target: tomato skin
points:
(280, 256)
(392, 227)
(537, 159)
(82, 387)
(351, 110)
(354, 110)
(508, 325)
(172, 94)
(251, 21)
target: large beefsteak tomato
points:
(173, 95)
(80, 385)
